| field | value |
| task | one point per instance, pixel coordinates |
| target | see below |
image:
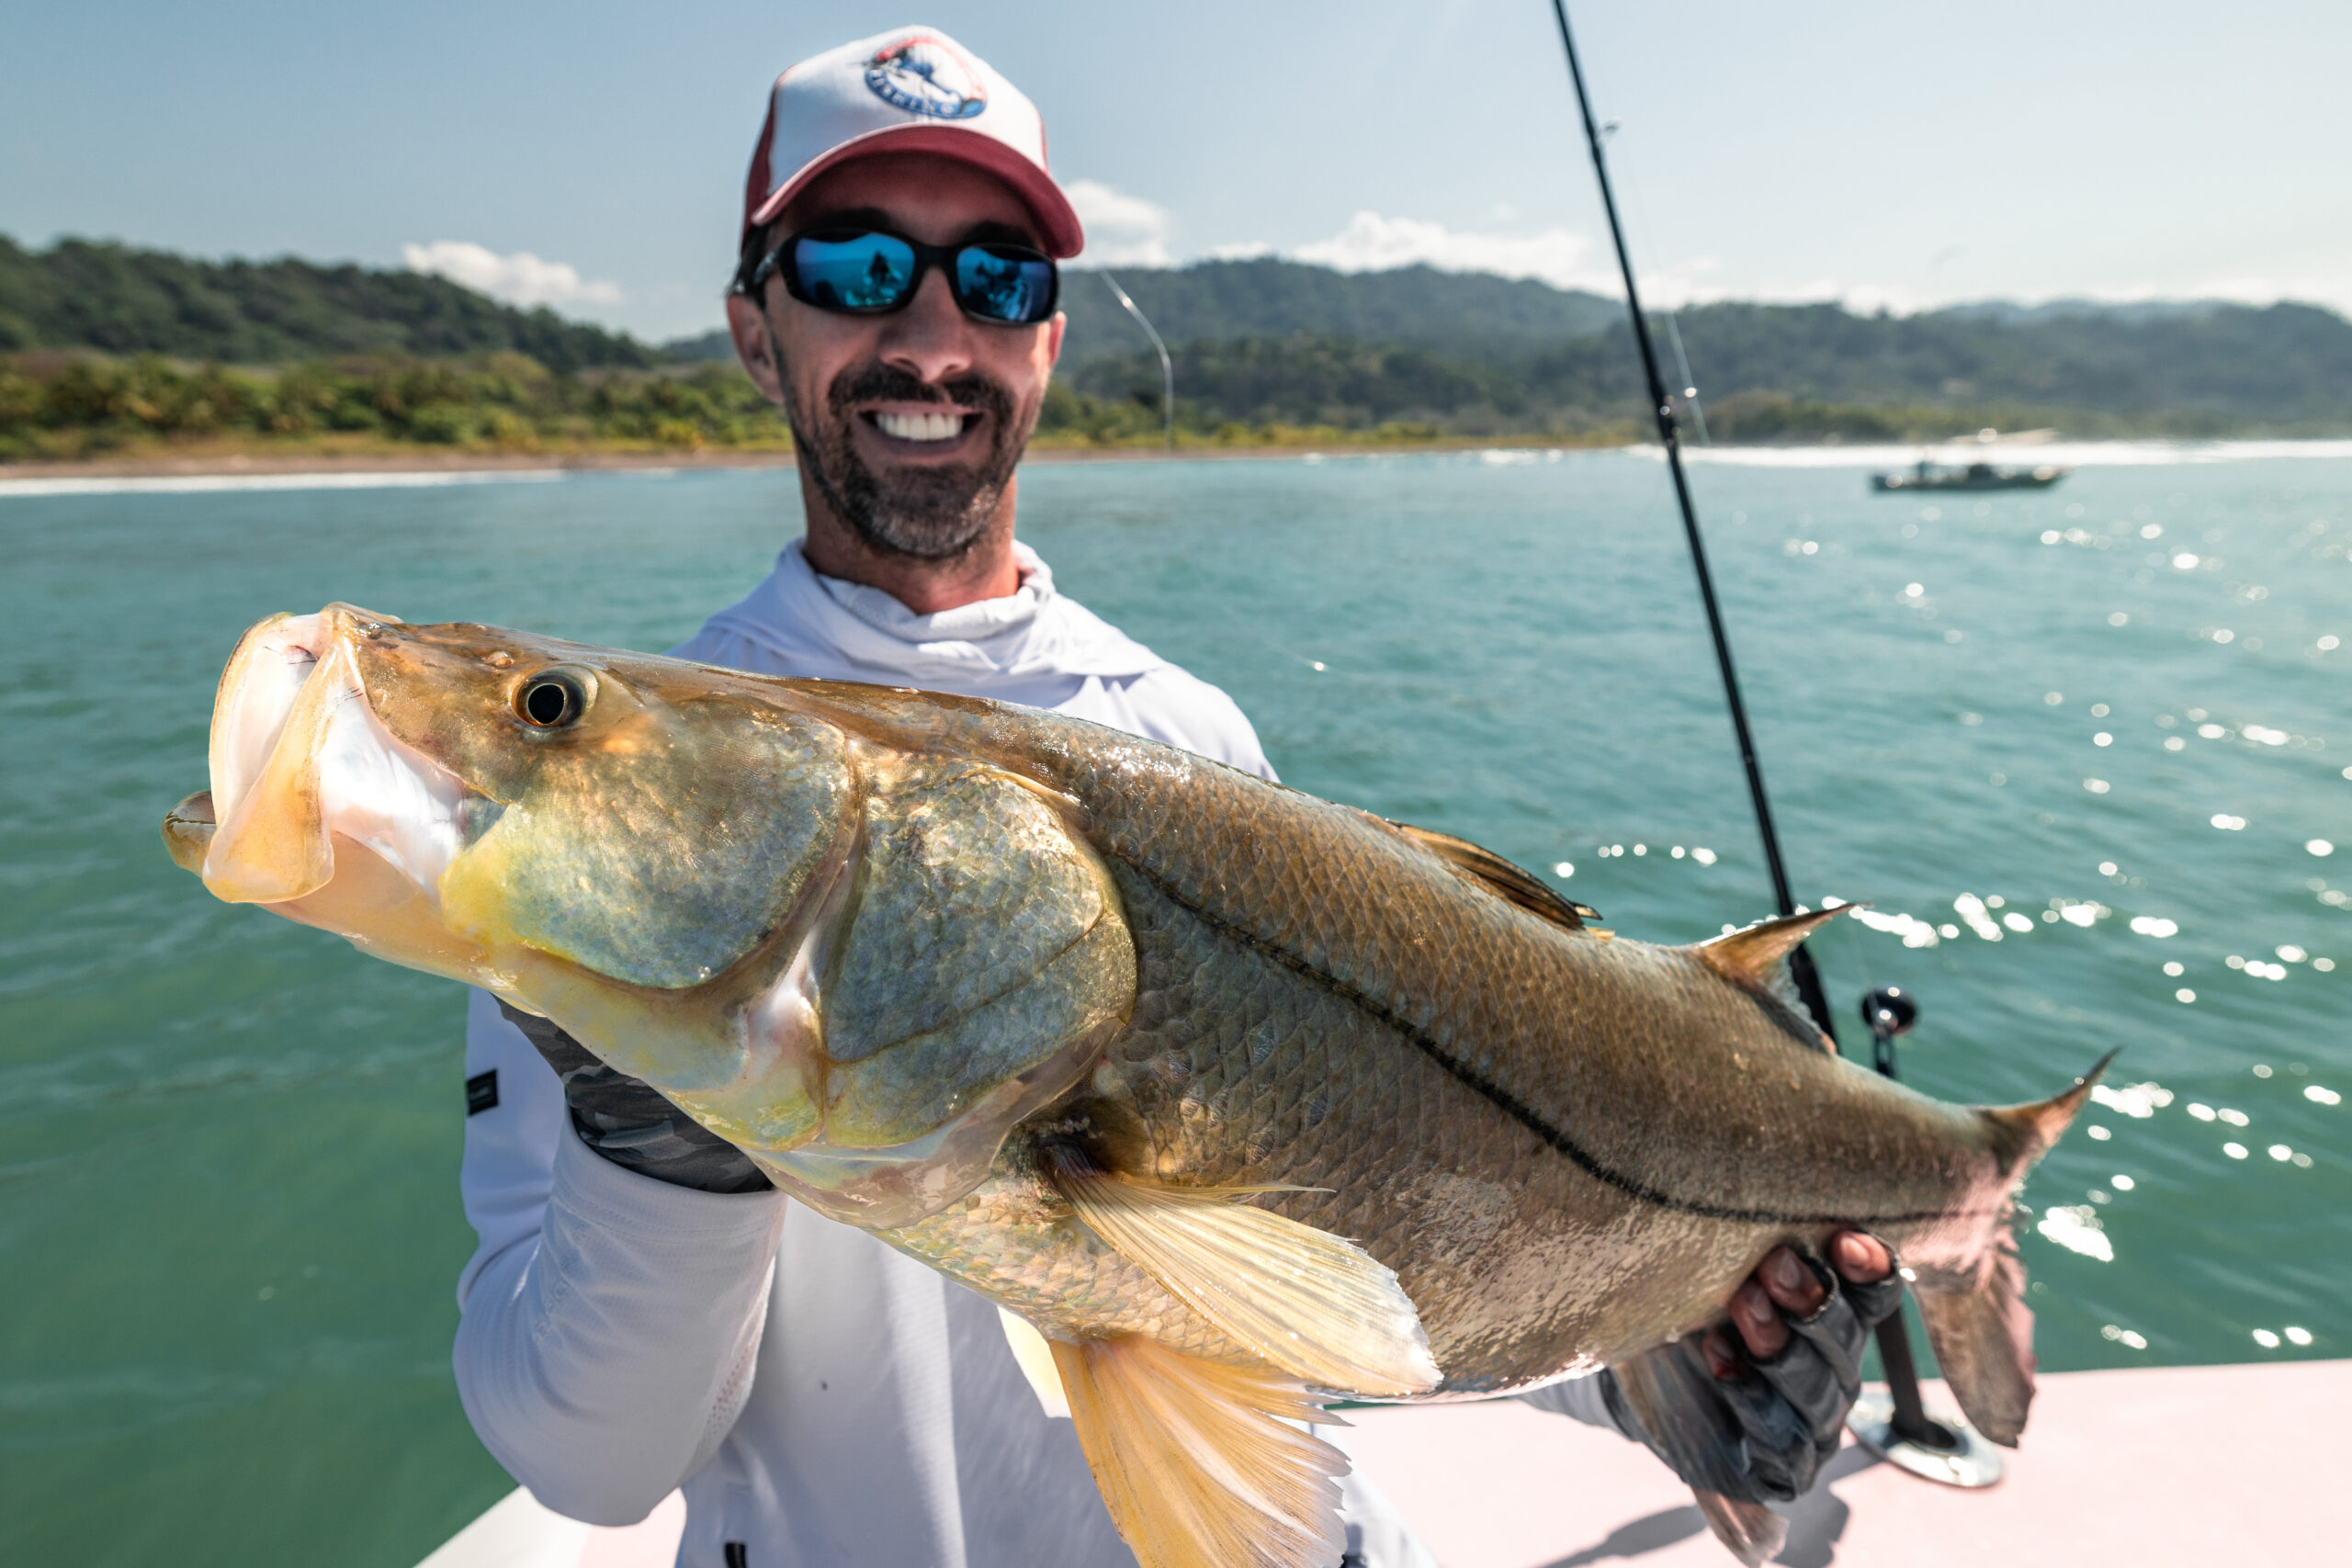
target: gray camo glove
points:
(1763, 1437)
(628, 1122)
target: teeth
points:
(920, 426)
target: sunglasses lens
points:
(853, 272)
(1004, 283)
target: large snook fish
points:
(1243, 1098)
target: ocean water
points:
(2060, 742)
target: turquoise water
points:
(228, 1222)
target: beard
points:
(929, 511)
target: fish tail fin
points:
(1984, 1341)
(1670, 1391)
(2023, 1133)
(1197, 1460)
(1977, 1320)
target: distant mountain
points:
(100, 294)
(1465, 314)
(1266, 341)
(2214, 370)
(712, 345)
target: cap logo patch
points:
(923, 76)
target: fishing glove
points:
(1763, 1435)
(628, 1122)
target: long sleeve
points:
(609, 1323)
(1578, 1399)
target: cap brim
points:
(1056, 219)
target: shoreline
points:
(233, 464)
(425, 464)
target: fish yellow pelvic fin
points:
(1198, 1462)
(1315, 1305)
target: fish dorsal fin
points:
(1199, 1463)
(1498, 876)
(1315, 1305)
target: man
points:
(644, 1311)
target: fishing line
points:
(1800, 969)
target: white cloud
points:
(519, 279)
(1121, 230)
(1371, 242)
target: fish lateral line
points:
(1519, 1110)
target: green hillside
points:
(1466, 315)
(106, 347)
(118, 300)
(1777, 372)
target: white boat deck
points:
(2172, 1466)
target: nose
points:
(931, 338)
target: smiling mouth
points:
(944, 426)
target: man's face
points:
(910, 423)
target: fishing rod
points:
(1800, 969)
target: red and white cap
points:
(908, 90)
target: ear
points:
(755, 346)
(1053, 339)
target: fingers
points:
(1782, 1283)
(1790, 1282)
(1756, 1319)
(1863, 1259)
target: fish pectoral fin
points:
(1497, 876)
(1670, 1392)
(1198, 1461)
(1315, 1305)
(1984, 1341)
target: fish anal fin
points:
(1670, 1392)
(1315, 1305)
(1198, 1461)
(1984, 1341)
(2023, 1133)
(1500, 878)
(1749, 1531)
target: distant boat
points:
(1925, 475)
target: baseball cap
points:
(908, 90)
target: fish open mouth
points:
(300, 760)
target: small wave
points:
(197, 484)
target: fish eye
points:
(554, 698)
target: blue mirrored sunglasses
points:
(870, 272)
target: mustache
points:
(889, 383)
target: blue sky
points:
(1877, 153)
